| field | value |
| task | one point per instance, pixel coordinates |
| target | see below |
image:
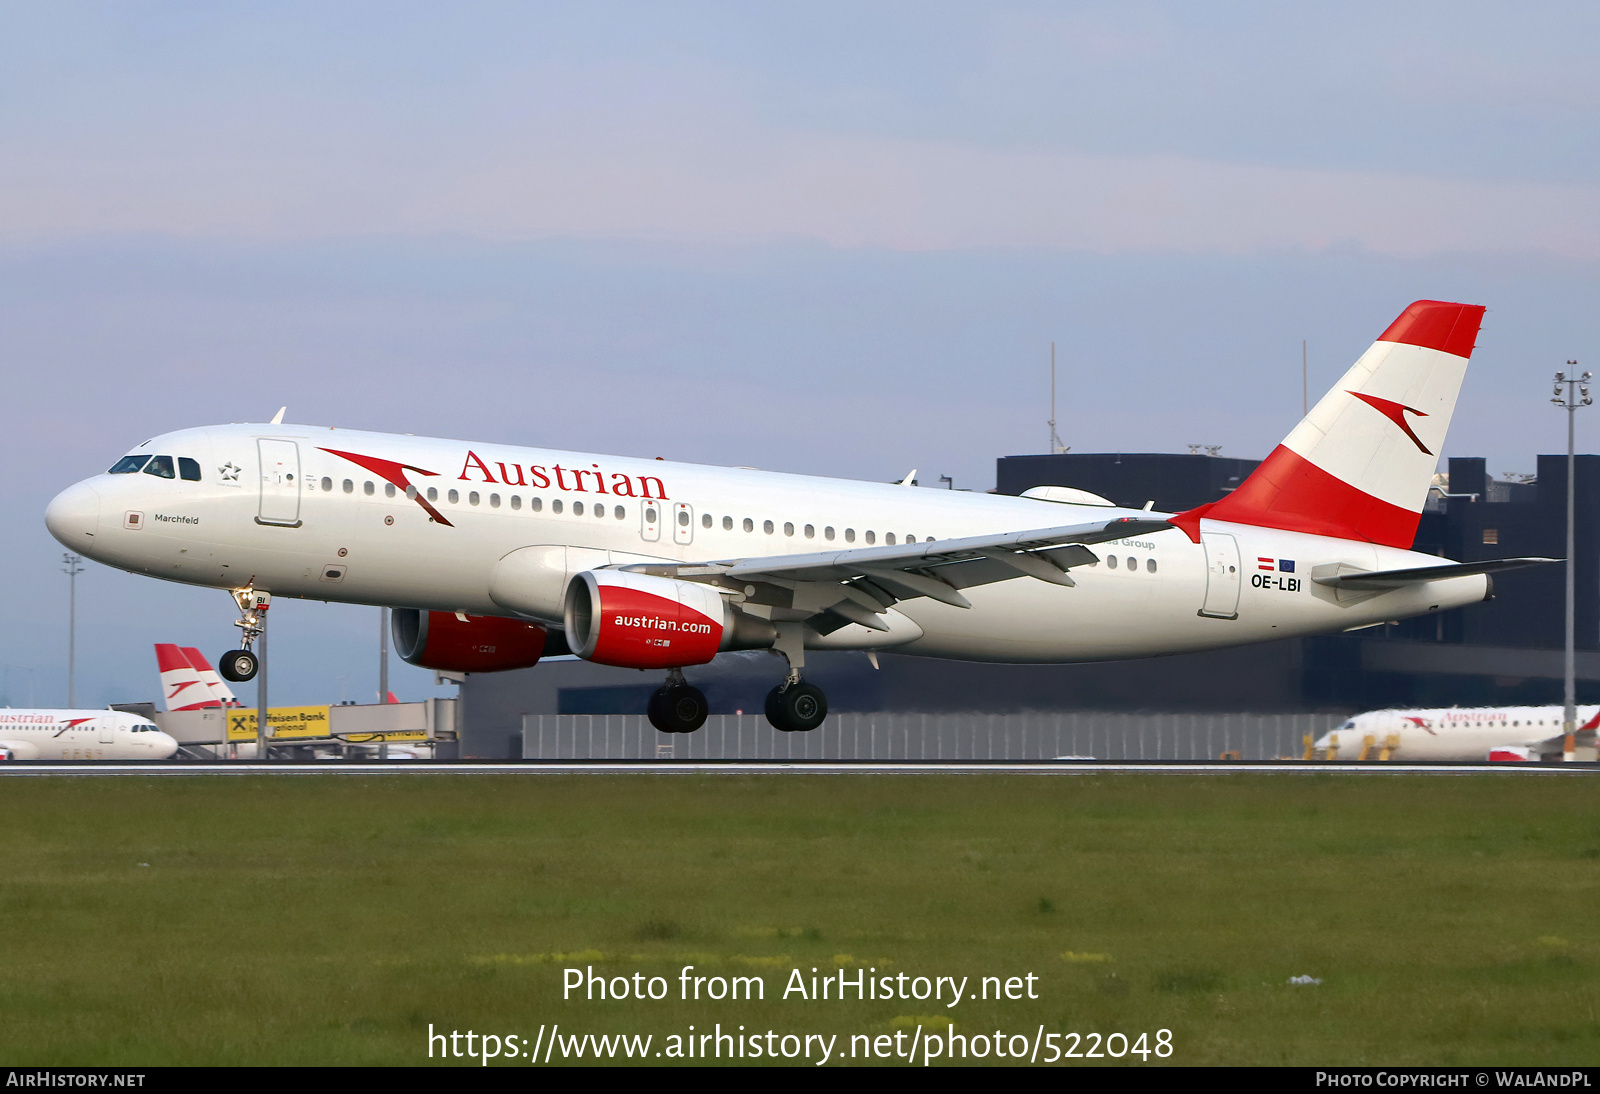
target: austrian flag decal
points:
(1275, 565)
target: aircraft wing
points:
(1383, 580)
(857, 585)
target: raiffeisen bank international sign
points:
(282, 723)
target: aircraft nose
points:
(166, 746)
(73, 516)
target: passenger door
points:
(280, 482)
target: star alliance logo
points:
(229, 472)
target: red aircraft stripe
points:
(1290, 492)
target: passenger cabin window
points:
(537, 504)
(127, 465)
(349, 487)
(849, 535)
(621, 513)
(494, 501)
(811, 532)
(705, 520)
(388, 489)
(727, 524)
(827, 533)
(516, 501)
(577, 508)
(766, 526)
(160, 466)
(1111, 562)
(433, 493)
(749, 525)
(889, 539)
(872, 537)
(683, 518)
(368, 489)
(327, 483)
(454, 496)
(188, 470)
(788, 528)
(472, 498)
(1150, 565)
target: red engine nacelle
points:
(483, 643)
(637, 621)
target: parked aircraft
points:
(1455, 733)
(81, 735)
(496, 555)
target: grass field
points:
(331, 919)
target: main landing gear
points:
(241, 665)
(676, 706)
(794, 706)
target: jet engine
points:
(639, 621)
(479, 643)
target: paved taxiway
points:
(812, 767)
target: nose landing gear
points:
(677, 707)
(241, 665)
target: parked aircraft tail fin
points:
(208, 676)
(1360, 464)
(181, 686)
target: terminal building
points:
(1503, 651)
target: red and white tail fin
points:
(388, 697)
(208, 676)
(181, 686)
(1360, 464)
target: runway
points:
(31, 769)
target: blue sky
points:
(811, 237)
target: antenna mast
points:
(1056, 447)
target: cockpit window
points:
(161, 466)
(188, 469)
(127, 465)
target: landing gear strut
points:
(795, 706)
(677, 707)
(241, 665)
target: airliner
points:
(1455, 733)
(494, 555)
(81, 735)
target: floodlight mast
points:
(1575, 395)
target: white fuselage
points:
(81, 735)
(275, 505)
(1450, 733)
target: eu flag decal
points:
(1286, 565)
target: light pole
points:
(1575, 395)
(383, 655)
(72, 569)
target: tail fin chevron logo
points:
(1396, 413)
(1345, 472)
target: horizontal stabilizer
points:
(1394, 579)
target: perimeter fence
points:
(1101, 736)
